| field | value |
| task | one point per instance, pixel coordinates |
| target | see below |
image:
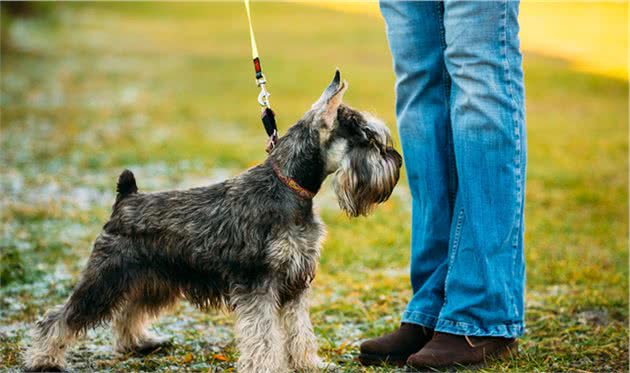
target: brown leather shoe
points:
(445, 350)
(396, 347)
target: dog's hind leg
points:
(259, 332)
(130, 327)
(148, 298)
(50, 338)
(101, 289)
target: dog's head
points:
(357, 149)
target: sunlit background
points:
(167, 90)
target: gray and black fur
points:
(249, 244)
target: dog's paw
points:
(317, 366)
(327, 366)
(146, 346)
(152, 344)
(44, 368)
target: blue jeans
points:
(460, 110)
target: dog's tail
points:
(126, 185)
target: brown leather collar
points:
(292, 184)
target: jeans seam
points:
(517, 155)
(454, 248)
(415, 316)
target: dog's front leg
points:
(259, 333)
(301, 343)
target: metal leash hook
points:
(263, 96)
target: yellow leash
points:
(268, 116)
(251, 31)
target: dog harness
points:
(268, 116)
(291, 183)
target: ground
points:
(167, 90)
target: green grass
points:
(167, 90)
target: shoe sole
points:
(371, 359)
(507, 350)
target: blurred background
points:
(167, 90)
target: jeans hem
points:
(419, 318)
(513, 330)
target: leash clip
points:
(263, 96)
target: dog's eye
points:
(374, 143)
(380, 147)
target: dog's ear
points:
(330, 100)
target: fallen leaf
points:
(342, 346)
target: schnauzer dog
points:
(249, 244)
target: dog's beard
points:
(365, 179)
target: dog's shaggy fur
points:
(250, 244)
